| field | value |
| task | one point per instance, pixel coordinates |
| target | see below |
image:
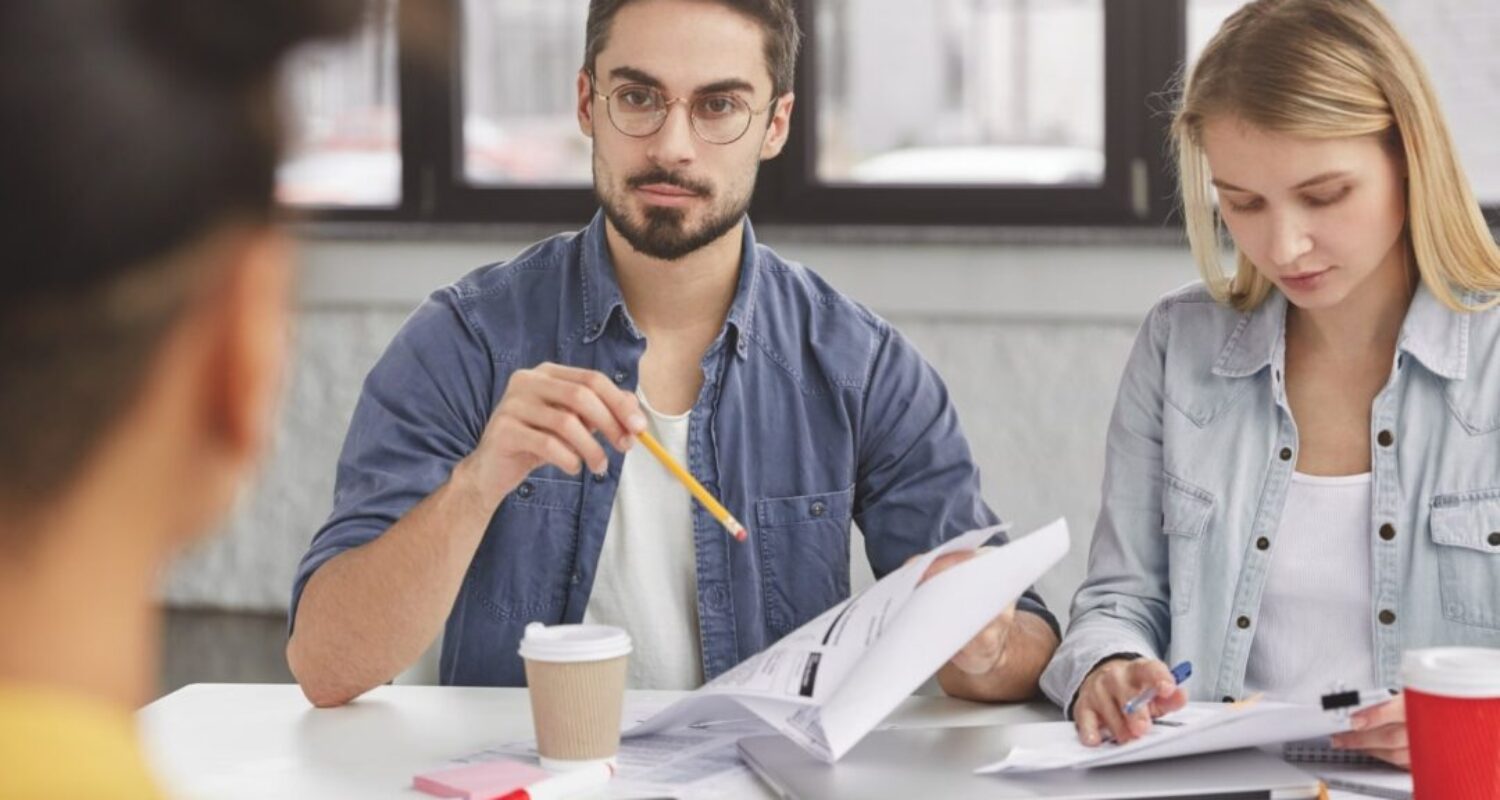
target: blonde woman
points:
(1303, 466)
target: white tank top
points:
(1316, 612)
(647, 580)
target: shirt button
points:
(525, 490)
(1388, 532)
(576, 578)
(819, 509)
(1263, 543)
(621, 375)
(1243, 622)
(601, 477)
(1286, 454)
(1385, 438)
(718, 597)
(1387, 617)
(1495, 539)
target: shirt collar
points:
(600, 287)
(1436, 335)
(1432, 333)
(1255, 340)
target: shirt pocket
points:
(1466, 531)
(1185, 511)
(523, 567)
(804, 553)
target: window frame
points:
(1145, 42)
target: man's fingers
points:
(543, 446)
(584, 403)
(622, 404)
(946, 562)
(983, 651)
(565, 427)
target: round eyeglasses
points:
(639, 111)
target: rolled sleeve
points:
(918, 485)
(422, 409)
(1123, 604)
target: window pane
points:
(345, 147)
(998, 92)
(1456, 41)
(521, 61)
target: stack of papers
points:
(1197, 728)
(830, 682)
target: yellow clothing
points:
(62, 747)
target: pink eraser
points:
(480, 781)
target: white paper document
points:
(1198, 728)
(833, 680)
(699, 762)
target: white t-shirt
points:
(647, 580)
(1316, 627)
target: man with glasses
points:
(488, 478)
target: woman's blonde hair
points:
(1330, 69)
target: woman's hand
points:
(1379, 732)
(1104, 693)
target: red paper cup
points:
(1453, 719)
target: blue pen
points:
(1180, 673)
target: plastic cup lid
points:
(1453, 671)
(568, 643)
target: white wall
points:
(1030, 337)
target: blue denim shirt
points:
(1201, 449)
(814, 413)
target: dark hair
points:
(129, 130)
(777, 18)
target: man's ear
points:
(586, 103)
(252, 327)
(781, 127)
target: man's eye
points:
(718, 106)
(636, 98)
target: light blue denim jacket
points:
(1201, 448)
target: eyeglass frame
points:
(670, 101)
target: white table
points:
(266, 741)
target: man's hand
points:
(1379, 732)
(984, 651)
(549, 415)
(1004, 660)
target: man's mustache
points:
(663, 177)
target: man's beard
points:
(662, 234)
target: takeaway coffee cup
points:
(576, 676)
(1453, 721)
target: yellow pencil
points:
(714, 506)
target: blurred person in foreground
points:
(143, 330)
